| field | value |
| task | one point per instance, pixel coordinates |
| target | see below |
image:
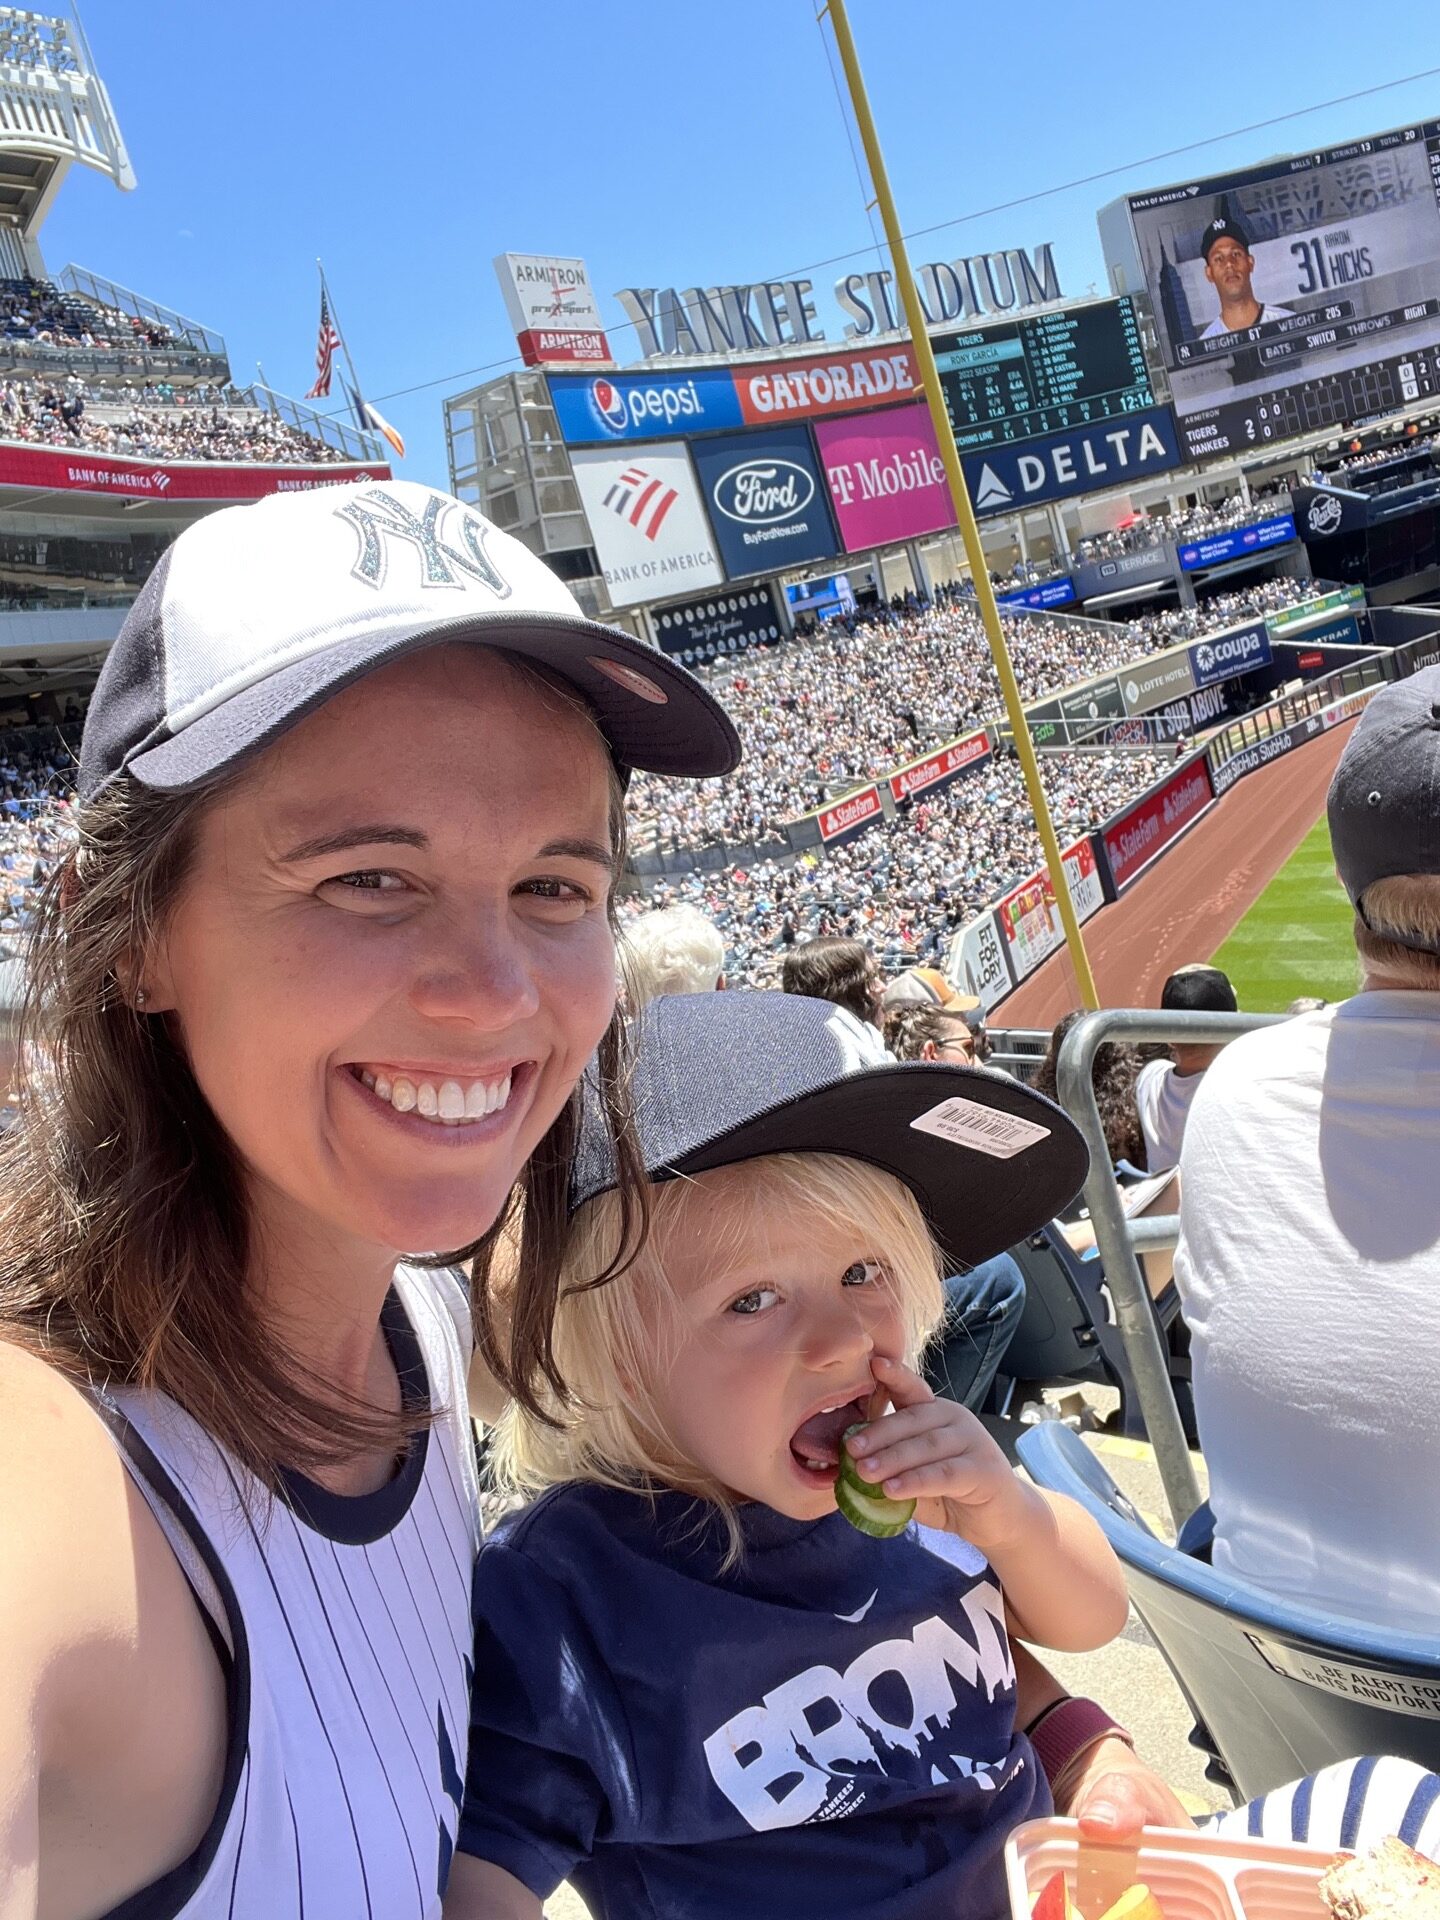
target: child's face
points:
(769, 1344)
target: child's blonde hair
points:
(614, 1340)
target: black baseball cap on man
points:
(725, 1077)
(256, 615)
(1384, 800)
(1223, 227)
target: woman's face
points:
(391, 960)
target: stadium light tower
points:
(54, 111)
(960, 495)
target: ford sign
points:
(762, 493)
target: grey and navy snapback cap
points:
(725, 1077)
(1384, 801)
(256, 615)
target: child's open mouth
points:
(815, 1444)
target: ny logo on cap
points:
(378, 516)
(1218, 222)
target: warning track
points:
(1193, 896)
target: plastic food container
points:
(1194, 1876)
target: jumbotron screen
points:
(1300, 295)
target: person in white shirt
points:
(1310, 1249)
(1164, 1092)
(1229, 267)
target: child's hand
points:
(937, 1453)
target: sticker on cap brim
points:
(986, 1129)
(630, 678)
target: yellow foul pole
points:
(959, 494)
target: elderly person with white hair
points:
(671, 950)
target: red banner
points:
(858, 810)
(539, 347)
(84, 472)
(1133, 838)
(943, 765)
(826, 383)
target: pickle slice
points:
(862, 1502)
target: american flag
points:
(325, 347)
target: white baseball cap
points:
(256, 615)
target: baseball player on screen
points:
(1229, 263)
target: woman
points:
(312, 992)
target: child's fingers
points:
(956, 1479)
(905, 1388)
(917, 1448)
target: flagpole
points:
(355, 393)
(960, 496)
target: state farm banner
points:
(85, 472)
(977, 962)
(886, 477)
(1029, 917)
(849, 816)
(646, 521)
(1133, 838)
(825, 383)
(940, 768)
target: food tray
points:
(1194, 1876)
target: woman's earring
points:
(140, 998)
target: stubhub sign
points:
(1106, 453)
(592, 408)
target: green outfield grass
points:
(1296, 938)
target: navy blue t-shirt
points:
(826, 1729)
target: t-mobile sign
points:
(886, 477)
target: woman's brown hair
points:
(125, 1242)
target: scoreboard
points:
(1331, 316)
(1042, 373)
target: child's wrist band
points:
(1061, 1733)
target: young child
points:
(699, 1690)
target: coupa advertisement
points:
(767, 500)
(646, 522)
(886, 478)
(1228, 654)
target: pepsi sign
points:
(1227, 654)
(595, 407)
(768, 507)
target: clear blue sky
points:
(664, 140)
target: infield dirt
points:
(1186, 905)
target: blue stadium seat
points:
(1278, 1689)
(1068, 1331)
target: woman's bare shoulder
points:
(66, 1509)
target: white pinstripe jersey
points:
(349, 1680)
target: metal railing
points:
(1116, 1238)
(108, 293)
(355, 445)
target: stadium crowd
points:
(1198, 521)
(907, 885)
(866, 695)
(36, 768)
(54, 413)
(38, 310)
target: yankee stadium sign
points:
(779, 313)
